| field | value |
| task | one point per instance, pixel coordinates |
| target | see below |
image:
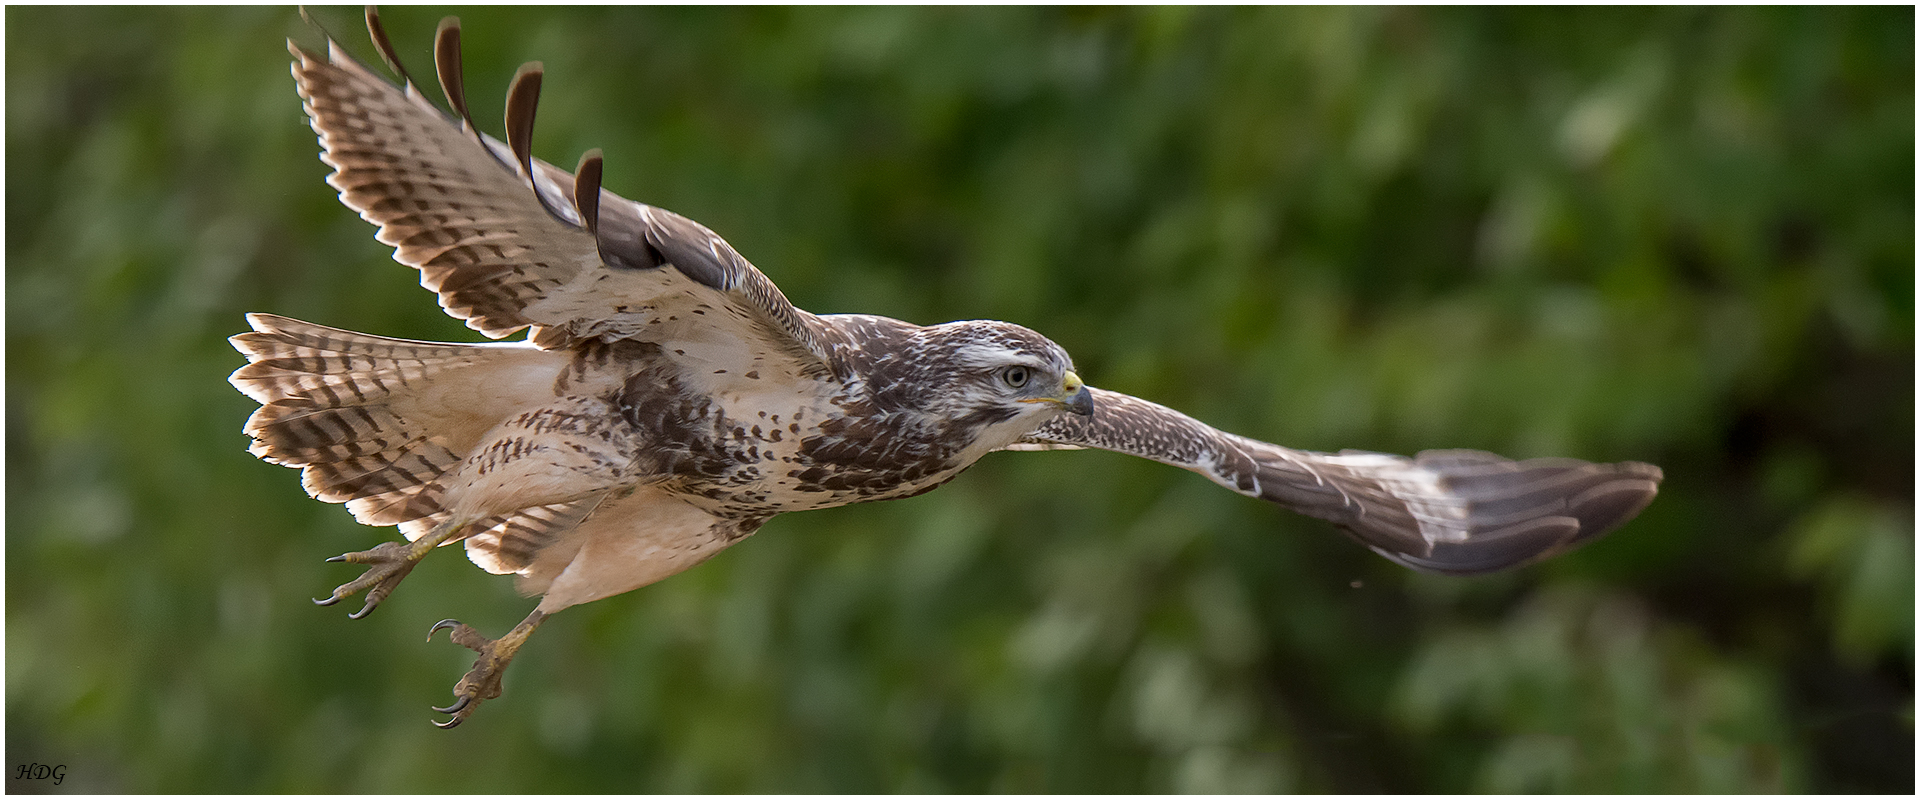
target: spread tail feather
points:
(374, 422)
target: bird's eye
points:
(1016, 376)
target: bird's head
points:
(999, 381)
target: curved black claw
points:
(466, 697)
(372, 602)
(482, 683)
(387, 565)
(457, 705)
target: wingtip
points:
(446, 62)
(523, 101)
(586, 190)
(1476, 513)
(378, 33)
(1643, 469)
(1610, 506)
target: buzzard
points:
(668, 400)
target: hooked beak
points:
(1074, 396)
(1077, 397)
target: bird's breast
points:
(766, 449)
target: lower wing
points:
(1455, 512)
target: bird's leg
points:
(483, 681)
(391, 561)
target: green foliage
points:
(1683, 236)
(1860, 555)
(1591, 695)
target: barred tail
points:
(375, 422)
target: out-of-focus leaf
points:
(1586, 692)
(1860, 556)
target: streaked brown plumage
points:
(668, 400)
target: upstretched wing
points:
(1457, 512)
(511, 242)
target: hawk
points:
(668, 400)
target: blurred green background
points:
(1682, 236)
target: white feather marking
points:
(1441, 514)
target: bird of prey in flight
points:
(668, 400)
